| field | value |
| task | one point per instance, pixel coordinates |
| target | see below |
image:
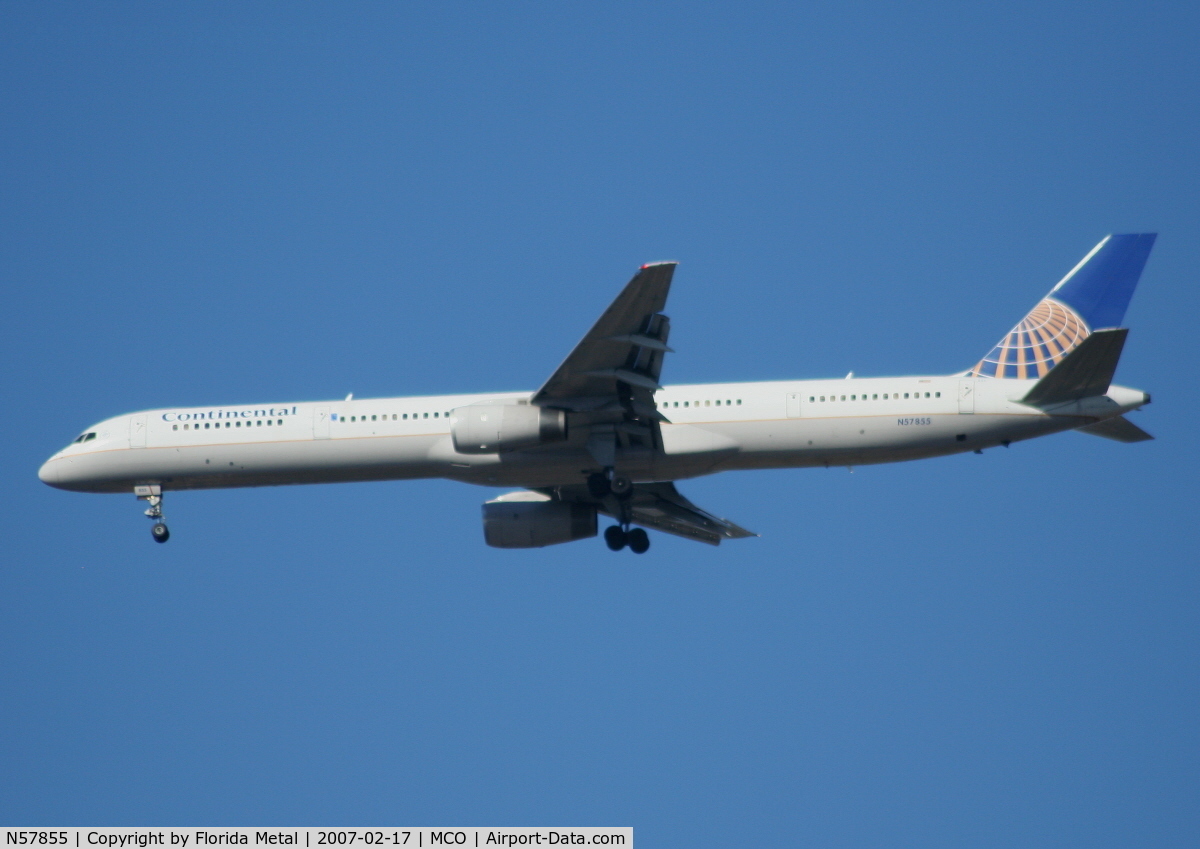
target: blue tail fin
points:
(1093, 296)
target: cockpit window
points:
(84, 437)
(90, 437)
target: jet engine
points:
(531, 520)
(493, 428)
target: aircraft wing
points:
(660, 506)
(609, 381)
(613, 372)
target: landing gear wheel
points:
(621, 487)
(614, 538)
(160, 532)
(598, 485)
(638, 541)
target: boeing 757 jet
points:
(602, 436)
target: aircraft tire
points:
(639, 541)
(160, 532)
(614, 538)
(621, 487)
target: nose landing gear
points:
(152, 494)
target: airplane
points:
(603, 437)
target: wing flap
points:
(660, 506)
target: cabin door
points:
(793, 405)
(137, 431)
(321, 423)
(966, 396)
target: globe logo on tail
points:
(1050, 331)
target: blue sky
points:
(231, 203)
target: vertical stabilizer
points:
(1093, 296)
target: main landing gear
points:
(617, 538)
(608, 484)
(152, 494)
(604, 484)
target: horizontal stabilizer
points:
(1120, 428)
(1084, 373)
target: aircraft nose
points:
(48, 473)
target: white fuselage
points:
(712, 428)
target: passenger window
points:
(228, 425)
(425, 415)
(374, 418)
(708, 403)
(926, 394)
(207, 425)
(822, 397)
(905, 394)
(718, 402)
(393, 416)
(268, 422)
(173, 427)
(685, 403)
(435, 415)
(811, 399)
(937, 394)
(843, 397)
(739, 400)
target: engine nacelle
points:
(493, 428)
(530, 520)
